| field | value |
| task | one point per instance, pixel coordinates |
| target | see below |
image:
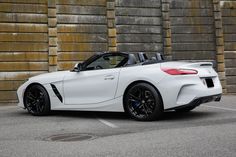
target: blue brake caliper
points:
(135, 104)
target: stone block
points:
(51, 3)
(52, 32)
(230, 54)
(167, 33)
(231, 80)
(220, 58)
(231, 89)
(221, 75)
(52, 41)
(110, 5)
(230, 71)
(52, 51)
(112, 42)
(165, 7)
(52, 68)
(112, 49)
(110, 14)
(111, 23)
(217, 15)
(165, 16)
(218, 24)
(167, 50)
(216, 7)
(219, 41)
(220, 67)
(112, 32)
(52, 60)
(52, 22)
(230, 63)
(219, 49)
(167, 42)
(52, 12)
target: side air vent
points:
(54, 88)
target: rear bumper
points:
(198, 101)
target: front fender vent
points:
(54, 88)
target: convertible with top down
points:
(123, 82)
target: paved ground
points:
(210, 130)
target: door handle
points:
(109, 77)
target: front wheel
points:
(142, 102)
(36, 100)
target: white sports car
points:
(118, 82)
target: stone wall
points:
(41, 36)
(81, 30)
(192, 27)
(23, 43)
(139, 25)
(228, 9)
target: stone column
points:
(219, 43)
(52, 36)
(166, 29)
(112, 46)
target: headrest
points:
(142, 57)
(132, 59)
(159, 56)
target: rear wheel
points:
(142, 102)
(185, 109)
(36, 100)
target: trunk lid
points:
(205, 69)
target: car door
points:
(96, 84)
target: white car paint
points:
(103, 90)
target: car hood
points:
(49, 77)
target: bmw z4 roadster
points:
(122, 82)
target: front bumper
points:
(198, 101)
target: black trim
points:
(54, 88)
(99, 55)
(198, 101)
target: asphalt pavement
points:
(207, 131)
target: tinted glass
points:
(106, 62)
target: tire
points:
(36, 100)
(142, 102)
(185, 109)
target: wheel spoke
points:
(145, 110)
(137, 109)
(41, 95)
(143, 94)
(31, 96)
(37, 107)
(134, 97)
(140, 93)
(32, 104)
(40, 108)
(150, 104)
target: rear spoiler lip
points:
(198, 64)
(206, 64)
(201, 62)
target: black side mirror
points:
(77, 67)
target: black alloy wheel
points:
(36, 100)
(143, 102)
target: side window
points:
(106, 62)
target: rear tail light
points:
(173, 71)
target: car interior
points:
(114, 60)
